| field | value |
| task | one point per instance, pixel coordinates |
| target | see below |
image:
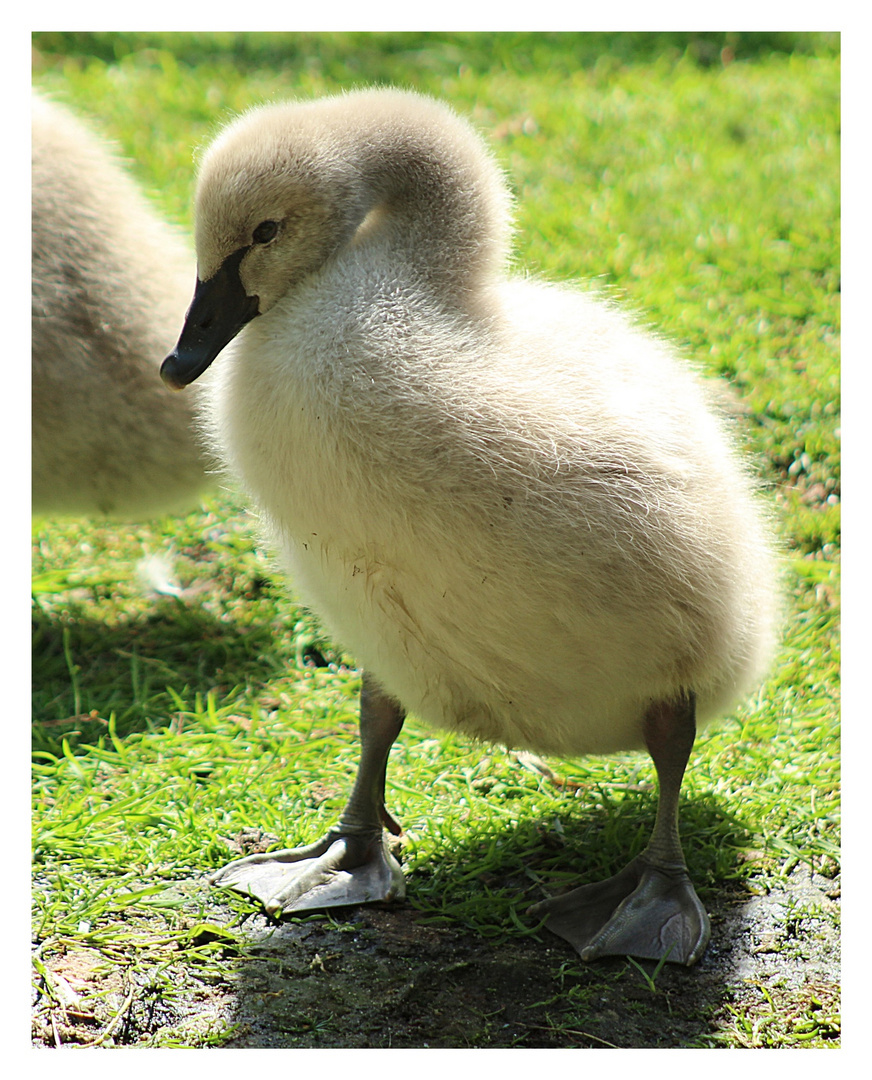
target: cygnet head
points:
(286, 187)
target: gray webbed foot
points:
(352, 863)
(643, 911)
(650, 909)
(338, 871)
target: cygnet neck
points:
(434, 195)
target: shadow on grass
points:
(82, 664)
(460, 964)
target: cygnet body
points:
(109, 278)
(518, 511)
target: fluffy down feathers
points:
(518, 510)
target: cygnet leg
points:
(650, 909)
(352, 863)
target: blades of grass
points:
(73, 670)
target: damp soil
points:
(383, 977)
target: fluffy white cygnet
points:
(110, 282)
(519, 511)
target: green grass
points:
(706, 196)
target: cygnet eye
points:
(265, 232)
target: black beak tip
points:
(219, 310)
(169, 372)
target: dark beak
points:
(219, 310)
